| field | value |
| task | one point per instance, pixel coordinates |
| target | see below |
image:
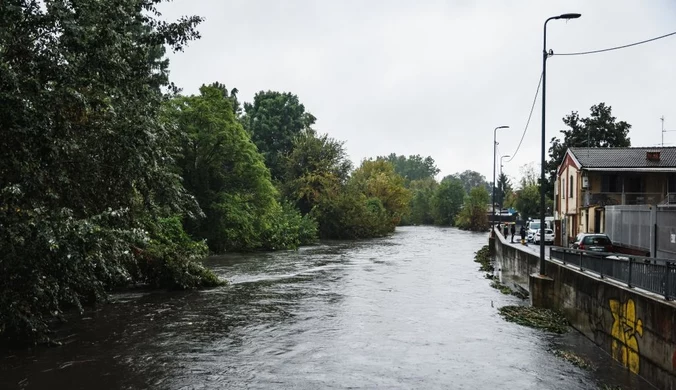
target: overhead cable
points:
(614, 48)
(537, 92)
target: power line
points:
(614, 48)
(537, 92)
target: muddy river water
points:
(410, 311)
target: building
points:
(589, 179)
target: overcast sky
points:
(436, 77)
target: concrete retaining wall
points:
(638, 329)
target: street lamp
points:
(495, 143)
(545, 55)
(501, 157)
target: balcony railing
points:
(624, 198)
(602, 198)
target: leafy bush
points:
(53, 261)
(171, 258)
(473, 214)
(288, 229)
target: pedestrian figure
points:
(513, 230)
(523, 235)
(506, 231)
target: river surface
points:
(410, 311)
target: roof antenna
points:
(588, 144)
(664, 131)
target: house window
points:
(563, 188)
(634, 184)
(672, 184)
(611, 183)
(572, 187)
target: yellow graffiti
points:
(625, 328)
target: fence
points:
(630, 226)
(650, 228)
(654, 275)
(665, 232)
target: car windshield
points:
(534, 225)
(597, 240)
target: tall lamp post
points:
(502, 190)
(495, 143)
(542, 150)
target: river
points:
(410, 311)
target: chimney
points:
(652, 156)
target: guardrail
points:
(654, 275)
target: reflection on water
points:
(407, 311)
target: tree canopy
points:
(88, 192)
(413, 167)
(274, 119)
(447, 201)
(473, 215)
(599, 130)
(471, 179)
(222, 168)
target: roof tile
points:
(624, 157)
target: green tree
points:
(471, 179)
(274, 119)
(377, 179)
(502, 189)
(528, 201)
(447, 201)
(422, 193)
(86, 165)
(413, 167)
(316, 167)
(222, 168)
(600, 130)
(473, 215)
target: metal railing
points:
(654, 275)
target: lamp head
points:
(569, 16)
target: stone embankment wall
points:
(637, 328)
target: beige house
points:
(589, 179)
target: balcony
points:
(623, 198)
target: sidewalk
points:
(529, 247)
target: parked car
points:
(549, 237)
(593, 242)
(533, 227)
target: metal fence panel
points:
(629, 226)
(666, 232)
(654, 275)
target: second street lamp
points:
(495, 143)
(542, 151)
(501, 157)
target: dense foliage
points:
(274, 119)
(86, 182)
(447, 201)
(473, 215)
(222, 168)
(414, 167)
(599, 130)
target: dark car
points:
(592, 242)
